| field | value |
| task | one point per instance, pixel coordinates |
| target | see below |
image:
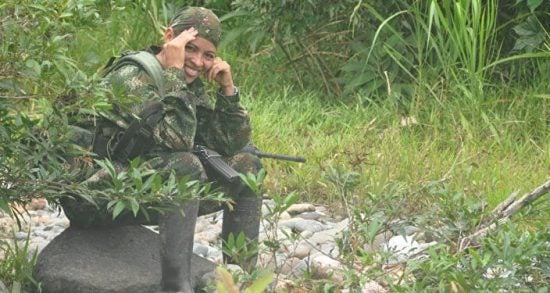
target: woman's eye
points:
(209, 57)
(189, 48)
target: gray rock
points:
(20, 235)
(299, 208)
(41, 234)
(322, 241)
(234, 269)
(306, 234)
(293, 266)
(326, 267)
(373, 287)
(267, 206)
(301, 225)
(115, 259)
(410, 230)
(310, 216)
(37, 246)
(207, 237)
(327, 235)
(302, 250)
(379, 240)
(404, 248)
(342, 225)
(319, 260)
(200, 249)
(215, 254)
(284, 216)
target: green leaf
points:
(66, 14)
(111, 203)
(261, 283)
(261, 175)
(224, 282)
(34, 67)
(373, 229)
(231, 240)
(88, 197)
(16, 287)
(241, 240)
(533, 4)
(253, 181)
(290, 199)
(145, 214)
(148, 183)
(5, 206)
(108, 166)
(119, 207)
(134, 205)
(156, 183)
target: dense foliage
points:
(400, 106)
(351, 46)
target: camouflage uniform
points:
(190, 117)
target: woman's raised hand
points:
(220, 72)
(174, 49)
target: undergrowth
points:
(421, 120)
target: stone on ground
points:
(114, 259)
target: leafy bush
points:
(394, 48)
(512, 258)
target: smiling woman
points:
(198, 31)
(162, 86)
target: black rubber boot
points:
(245, 217)
(177, 231)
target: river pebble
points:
(306, 234)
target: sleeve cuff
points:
(229, 99)
(235, 90)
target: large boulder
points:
(111, 259)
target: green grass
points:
(17, 264)
(480, 147)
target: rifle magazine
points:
(223, 168)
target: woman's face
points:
(199, 58)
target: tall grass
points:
(463, 39)
(472, 145)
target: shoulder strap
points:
(146, 61)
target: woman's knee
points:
(245, 163)
(184, 164)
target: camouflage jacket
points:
(191, 116)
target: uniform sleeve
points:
(224, 127)
(176, 130)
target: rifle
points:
(214, 160)
(250, 148)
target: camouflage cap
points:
(202, 19)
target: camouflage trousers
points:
(84, 214)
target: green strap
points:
(137, 137)
(147, 62)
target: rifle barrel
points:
(280, 157)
